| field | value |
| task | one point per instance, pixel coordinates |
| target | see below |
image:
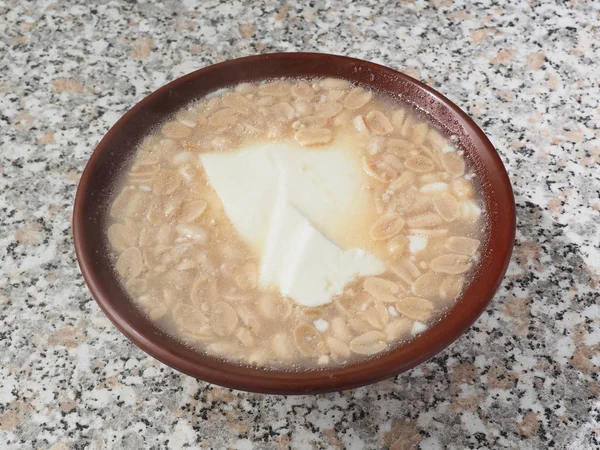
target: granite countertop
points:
(525, 376)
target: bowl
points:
(112, 155)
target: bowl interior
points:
(115, 149)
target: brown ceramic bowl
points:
(111, 156)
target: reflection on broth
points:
(296, 224)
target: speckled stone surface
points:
(526, 376)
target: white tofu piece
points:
(417, 243)
(438, 186)
(418, 328)
(295, 207)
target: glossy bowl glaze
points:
(115, 149)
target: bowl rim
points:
(392, 363)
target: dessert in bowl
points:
(294, 223)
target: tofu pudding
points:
(296, 224)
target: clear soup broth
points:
(296, 223)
